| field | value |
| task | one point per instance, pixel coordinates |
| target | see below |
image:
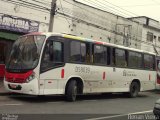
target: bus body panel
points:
(30, 88)
(95, 78)
(92, 77)
(157, 84)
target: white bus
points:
(61, 64)
(158, 72)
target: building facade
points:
(82, 20)
(20, 17)
(150, 33)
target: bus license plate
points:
(13, 86)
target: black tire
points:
(71, 91)
(134, 90)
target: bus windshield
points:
(25, 53)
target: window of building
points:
(150, 37)
(100, 54)
(148, 62)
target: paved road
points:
(92, 107)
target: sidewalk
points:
(2, 89)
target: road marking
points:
(10, 105)
(108, 117)
(54, 102)
(141, 112)
(90, 100)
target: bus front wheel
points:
(71, 91)
(134, 89)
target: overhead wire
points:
(120, 8)
(138, 40)
(63, 12)
(35, 7)
(38, 7)
(26, 13)
(46, 3)
(95, 14)
(102, 6)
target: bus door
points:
(51, 66)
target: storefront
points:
(11, 28)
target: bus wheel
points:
(134, 89)
(71, 91)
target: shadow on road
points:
(40, 99)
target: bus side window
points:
(148, 62)
(113, 57)
(88, 57)
(52, 56)
(83, 52)
(126, 58)
(108, 55)
(120, 58)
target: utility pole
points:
(52, 14)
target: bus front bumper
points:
(30, 88)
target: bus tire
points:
(71, 91)
(134, 89)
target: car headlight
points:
(157, 106)
(31, 77)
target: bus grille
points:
(15, 80)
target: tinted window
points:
(148, 62)
(83, 52)
(78, 52)
(75, 48)
(120, 58)
(135, 59)
(100, 54)
(52, 56)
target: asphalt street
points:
(87, 107)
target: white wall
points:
(149, 45)
(81, 20)
(18, 9)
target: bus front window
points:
(25, 53)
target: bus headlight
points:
(31, 77)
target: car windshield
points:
(25, 53)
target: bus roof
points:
(48, 34)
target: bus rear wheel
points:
(71, 91)
(134, 90)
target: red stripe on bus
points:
(104, 75)
(149, 76)
(17, 77)
(62, 73)
(101, 43)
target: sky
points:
(128, 8)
